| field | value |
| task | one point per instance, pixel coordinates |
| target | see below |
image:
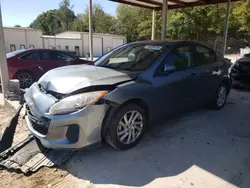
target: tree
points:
(79, 24)
(144, 28)
(202, 23)
(66, 14)
(136, 23)
(17, 25)
(127, 22)
(54, 21)
(48, 22)
(101, 21)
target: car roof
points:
(42, 49)
(166, 42)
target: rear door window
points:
(50, 55)
(63, 56)
(55, 56)
(203, 56)
(45, 55)
(181, 57)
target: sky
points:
(23, 12)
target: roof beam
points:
(133, 4)
(199, 3)
(179, 2)
(151, 2)
(203, 1)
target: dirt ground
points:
(203, 148)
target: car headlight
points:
(76, 102)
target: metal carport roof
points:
(172, 4)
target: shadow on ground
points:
(216, 141)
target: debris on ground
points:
(21, 131)
(27, 155)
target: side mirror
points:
(169, 68)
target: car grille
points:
(41, 125)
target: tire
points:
(26, 79)
(118, 128)
(221, 96)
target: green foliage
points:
(79, 24)
(66, 14)
(57, 20)
(48, 22)
(127, 22)
(17, 26)
(202, 23)
(101, 21)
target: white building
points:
(18, 38)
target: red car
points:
(28, 65)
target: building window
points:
(59, 47)
(67, 48)
(32, 46)
(77, 49)
(12, 47)
(22, 46)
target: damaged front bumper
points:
(74, 130)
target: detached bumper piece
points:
(27, 156)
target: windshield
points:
(11, 54)
(134, 57)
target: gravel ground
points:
(203, 148)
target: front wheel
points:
(221, 96)
(127, 127)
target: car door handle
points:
(193, 75)
(216, 69)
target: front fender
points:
(130, 90)
(133, 90)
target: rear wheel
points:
(25, 79)
(221, 96)
(127, 127)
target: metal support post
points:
(224, 42)
(153, 26)
(3, 64)
(90, 31)
(164, 19)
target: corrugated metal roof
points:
(172, 4)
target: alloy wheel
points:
(221, 96)
(25, 79)
(130, 127)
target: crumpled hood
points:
(71, 78)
